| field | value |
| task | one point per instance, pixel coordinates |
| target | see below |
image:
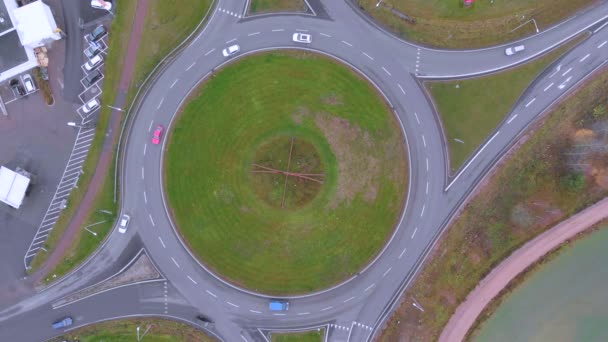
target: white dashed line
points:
(386, 272)
(422, 211)
(423, 141)
(253, 34)
(303, 313)
(327, 308)
(368, 56)
(151, 220)
(529, 103)
(567, 71)
(386, 71)
(231, 40)
(278, 30)
(192, 280)
(586, 56)
(232, 304)
(174, 83)
(150, 128)
(175, 262)
(210, 51)
(142, 173)
(160, 103)
(402, 252)
(427, 187)
(511, 119)
(414, 233)
(417, 120)
(325, 35)
(244, 339)
(145, 198)
(347, 43)
(401, 88)
(145, 146)
(162, 242)
(348, 300)
(369, 287)
(211, 293)
(254, 311)
(604, 43)
(278, 314)
(549, 86)
(190, 67)
(427, 164)
(301, 30)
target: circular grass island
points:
(286, 173)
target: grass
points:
(471, 109)
(529, 193)
(268, 6)
(161, 330)
(162, 33)
(299, 248)
(312, 336)
(445, 23)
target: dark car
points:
(92, 78)
(17, 88)
(92, 51)
(98, 33)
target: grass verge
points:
(310, 336)
(161, 330)
(446, 23)
(162, 33)
(270, 6)
(550, 175)
(231, 215)
(471, 109)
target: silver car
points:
(514, 49)
(231, 50)
(124, 223)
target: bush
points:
(573, 182)
(599, 111)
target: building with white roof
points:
(13, 187)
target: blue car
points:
(278, 305)
(67, 321)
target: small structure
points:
(35, 25)
(13, 186)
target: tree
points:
(599, 111)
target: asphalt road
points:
(358, 307)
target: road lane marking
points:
(150, 128)
(231, 40)
(529, 103)
(549, 86)
(243, 337)
(145, 146)
(604, 43)
(162, 242)
(422, 212)
(278, 314)
(348, 300)
(563, 85)
(160, 103)
(423, 140)
(472, 160)
(303, 313)
(414, 233)
(145, 198)
(427, 164)
(386, 272)
(402, 252)
(418, 120)
(151, 220)
(174, 83)
(253, 34)
(511, 119)
(142, 172)
(232, 304)
(347, 43)
(566, 72)
(369, 287)
(210, 51)
(601, 27)
(190, 67)
(327, 308)
(211, 293)
(254, 311)
(278, 30)
(368, 56)
(175, 262)
(325, 35)
(427, 187)
(586, 56)
(401, 88)
(192, 280)
(386, 71)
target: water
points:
(565, 300)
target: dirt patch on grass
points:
(332, 99)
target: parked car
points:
(90, 106)
(96, 34)
(514, 49)
(28, 82)
(278, 305)
(92, 78)
(100, 4)
(92, 51)
(158, 134)
(93, 62)
(231, 50)
(17, 88)
(64, 322)
(302, 38)
(124, 223)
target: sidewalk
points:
(105, 159)
(466, 314)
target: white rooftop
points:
(12, 187)
(35, 24)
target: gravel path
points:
(466, 314)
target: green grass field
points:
(445, 23)
(263, 6)
(312, 336)
(308, 244)
(126, 330)
(472, 111)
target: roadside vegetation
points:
(270, 6)
(310, 336)
(319, 121)
(162, 33)
(161, 330)
(557, 169)
(448, 24)
(471, 109)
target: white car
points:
(100, 4)
(93, 62)
(90, 106)
(231, 50)
(28, 82)
(124, 223)
(514, 49)
(302, 38)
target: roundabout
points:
(286, 173)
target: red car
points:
(158, 134)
